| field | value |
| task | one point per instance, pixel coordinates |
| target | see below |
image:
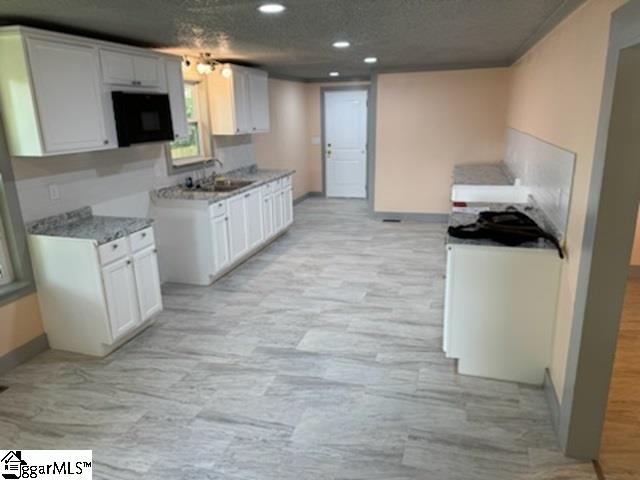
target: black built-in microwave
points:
(142, 117)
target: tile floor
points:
(318, 359)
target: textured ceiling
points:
(403, 34)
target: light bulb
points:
(203, 68)
(226, 71)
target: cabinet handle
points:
(128, 262)
(220, 204)
(106, 142)
(237, 130)
(114, 246)
(155, 250)
(247, 195)
(254, 128)
(144, 234)
(226, 219)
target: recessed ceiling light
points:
(334, 74)
(370, 60)
(272, 8)
(341, 44)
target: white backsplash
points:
(113, 182)
(548, 172)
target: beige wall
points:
(555, 95)
(19, 323)
(285, 146)
(427, 122)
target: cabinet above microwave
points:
(55, 90)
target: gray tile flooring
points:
(318, 359)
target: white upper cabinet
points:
(55, 89)
(259, 101)
(123, 68)
(239, 101)
(50, 95)
(175, 88)
(67, 92)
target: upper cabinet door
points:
(241, 100)
(117, 68)
(175, 87)
(259, 100)
(121, 68)
(147, 70)
(68, 94)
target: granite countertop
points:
(469, 214)
(83, 224)
(496, 174)
(256, 176)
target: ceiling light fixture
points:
(271, 8)
(334, 74)
(226, 71)
(370, 60)
(341, 44)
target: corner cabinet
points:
(222, 234)
(95, 297)
(55, 89)
(239, 100)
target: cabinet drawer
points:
(217, 209)
(141, 239)
(277, 185)
(113, 250)
(267, 189)
(286, 182)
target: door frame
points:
(604, 263)
(370, 134)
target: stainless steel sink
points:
(227, 186)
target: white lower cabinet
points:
(267, 214)
(94, 297)
(145, 268)
(238, 240)
(278, 211)
(221, 234)
(287, 206)
(220, 245)
(500, 308)
(253, 209)
(120, 292)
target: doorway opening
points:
(595, 400)
(345, 142)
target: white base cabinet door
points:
(278, 213)
(253, 208)
(145, 265)
(238, 244)
(287, 205)
(267, 215)
(220, 235)
(122, 301)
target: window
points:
(192, 149)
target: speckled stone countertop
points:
(83, 224)
(469, 214)
(256, 176)
(496, 174)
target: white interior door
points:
(346, 143)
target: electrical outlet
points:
(54, 193)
